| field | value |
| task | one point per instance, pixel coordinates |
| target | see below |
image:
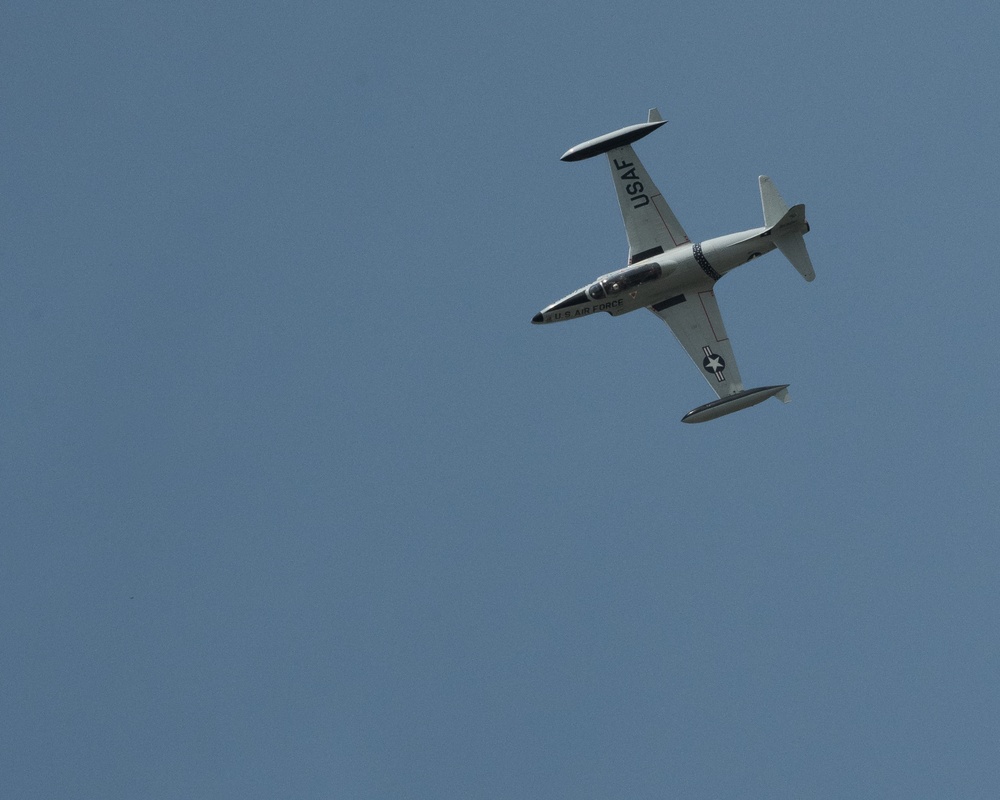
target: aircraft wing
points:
(696, 322)
(650, 225)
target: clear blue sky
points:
(296, 502)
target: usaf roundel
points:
(714, 363)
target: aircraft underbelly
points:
(685, 274)
(682, 276)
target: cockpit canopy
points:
(620, 281)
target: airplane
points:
(673, 277)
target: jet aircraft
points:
(673, 277)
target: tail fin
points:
(787, 225)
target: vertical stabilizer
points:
(770, 198)
(654, 115)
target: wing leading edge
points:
(695, 320)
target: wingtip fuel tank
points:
(735, 402)
(618, 138)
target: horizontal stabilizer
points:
(736, 402)
(793, 247)
(770, 198)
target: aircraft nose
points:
(537, 319)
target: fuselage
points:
(660, 277)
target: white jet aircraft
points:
(674, 278)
